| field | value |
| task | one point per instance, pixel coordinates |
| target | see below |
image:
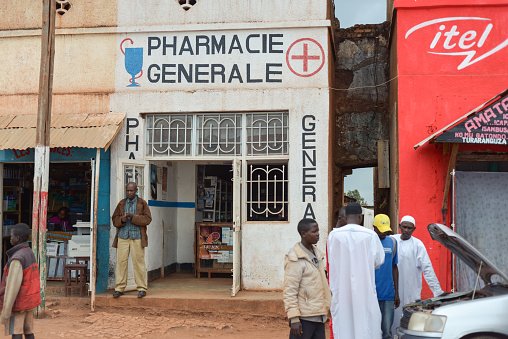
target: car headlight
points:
(426, 322)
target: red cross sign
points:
(305, 57)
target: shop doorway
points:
(217, 221)
(196, 204)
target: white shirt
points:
(354, 253)
(413, 261)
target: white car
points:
(480, 314)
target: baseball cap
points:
(353, 208)
(382, 222)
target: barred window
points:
(217, 134)
(169, 134)
(267, 192)
(267, 133)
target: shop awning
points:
(488, 118)
(89, 130)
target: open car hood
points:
(466, 252)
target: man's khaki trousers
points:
(138, 262)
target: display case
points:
(218, 200)
(213, 248)
(11, 207)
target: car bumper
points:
(407, 334)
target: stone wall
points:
(362, 108)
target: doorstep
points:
(182, 292)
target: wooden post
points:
(41, 162)
(383, 163)
(162, 267)
(451, 166)
(93, 275)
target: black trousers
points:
(311, 330)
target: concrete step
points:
(182, 292)
(259, 304)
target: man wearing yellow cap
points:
(387, 276)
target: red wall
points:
(435, 90)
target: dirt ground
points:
(75, 321)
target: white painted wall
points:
(186, 192)
(264, 245)
(153, 253)
(162, 12)
(171, 231)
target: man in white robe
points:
(413, 261)
(354, 253)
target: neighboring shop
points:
(449, 103)
(71, 188)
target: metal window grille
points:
(134, 173)
(219, 134)
(267, 133)
(267, 192)
(169, 134)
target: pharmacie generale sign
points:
(264, 58)
(488, 126)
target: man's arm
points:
(144, 218)
(117, 217)
(292, 277)
(395, 274)
(428, 272)
(13, 284)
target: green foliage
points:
(355, 194)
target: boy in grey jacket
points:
(307, 296)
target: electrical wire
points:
(370, 86)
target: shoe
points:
(117, 294)
(141, 294)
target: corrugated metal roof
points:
(465, 116)
(90, 130)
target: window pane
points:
(133, 173)
(267, 193)
(169, 134)
(267, 133)
(216, 134)
(219, 134)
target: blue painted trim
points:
(157, 203)
(103, 222)
(64, 154)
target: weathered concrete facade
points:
(279, 58)
(361, 110)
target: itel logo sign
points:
(461, 36)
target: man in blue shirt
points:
(387, 276)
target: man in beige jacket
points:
(307, 296)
